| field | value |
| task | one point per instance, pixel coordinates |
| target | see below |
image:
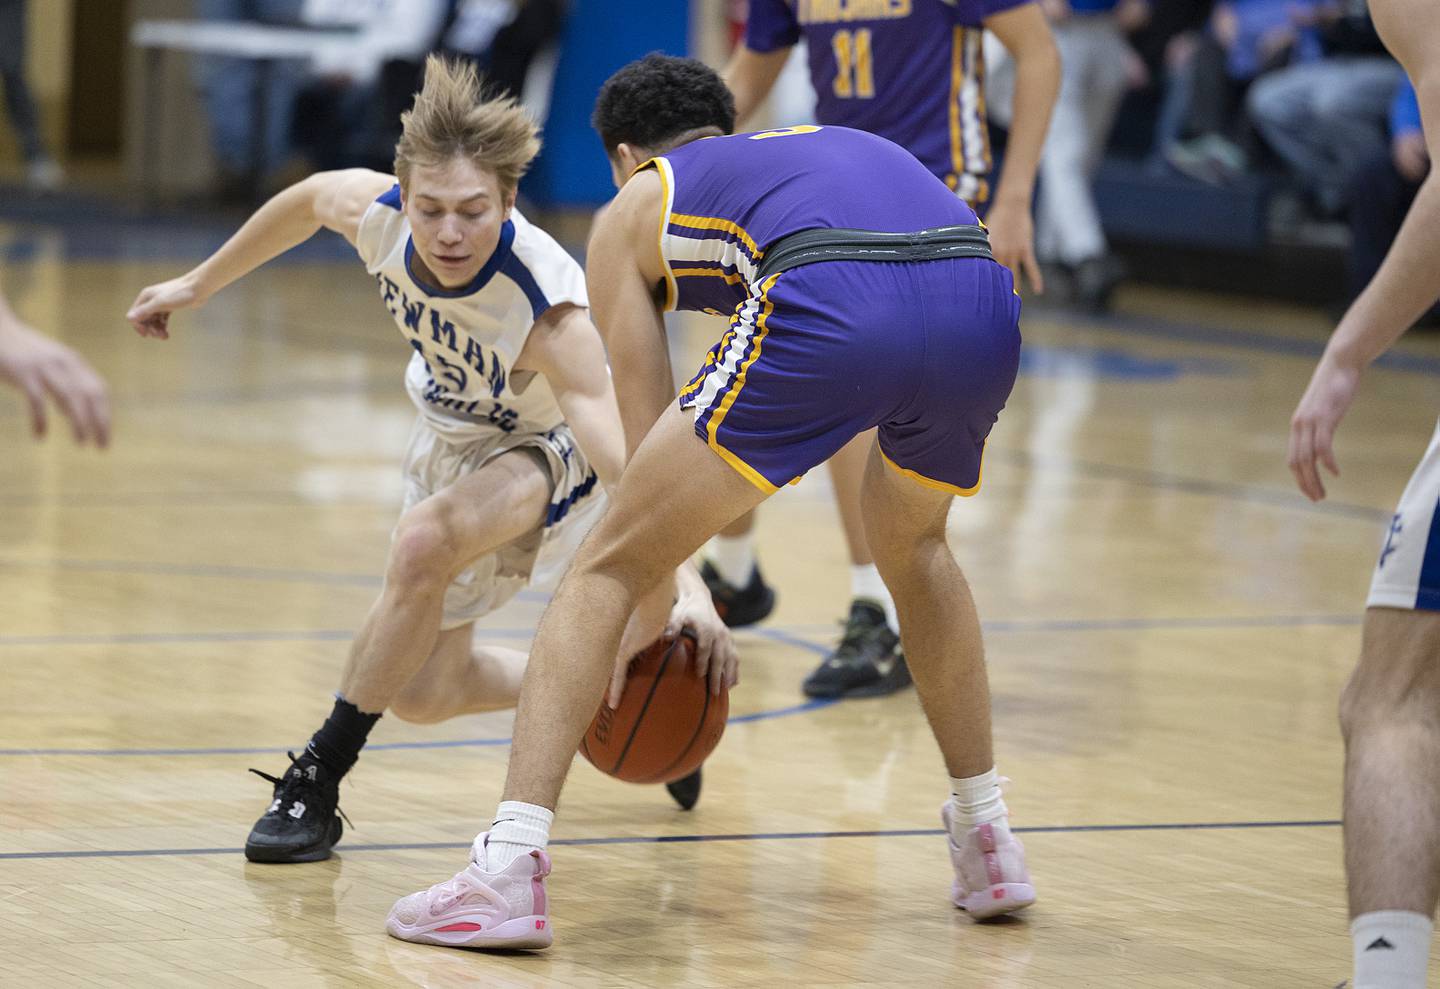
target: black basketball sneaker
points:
(686, 792)
(303, 822)
(739, 606)
(868, 661)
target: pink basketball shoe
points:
(479, 909)
(990, 874)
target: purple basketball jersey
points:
(912, 71)
(728, 198)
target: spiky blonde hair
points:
(453, 118)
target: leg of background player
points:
(905, 524)
(1390, 716)
(867, 662)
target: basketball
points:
(668, 721)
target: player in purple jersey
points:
(912, 71)
(863, 295)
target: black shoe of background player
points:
(868, 661)
(1094, 281)
(303, 822)
(739, 606)
(686, 792)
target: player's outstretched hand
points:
(1312, 427)
(150, 312)
(1012, 241)
(47, 370)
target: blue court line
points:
(218, 571)
(780, 635)
(1235, 491)
(457, 743)
(686, 839)
(1165, 329)
(787, 635)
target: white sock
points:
(733, 558)
(865, 582)
(518, 830)
(974, 801)
(1392, 949)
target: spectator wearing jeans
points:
(1325, 117)
(1383, 188)
(228, 86)
(41, 170)
(1096, 67)
(1245, 40)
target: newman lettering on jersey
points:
(441, 333)
(845, 11)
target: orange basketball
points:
(667, 723)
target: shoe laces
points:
(444, 895)
(857, 634)
(289, 783)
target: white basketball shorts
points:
(1408, 572)
(577, 500)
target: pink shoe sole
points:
(1002, 898)
(459, 932)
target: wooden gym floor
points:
(1169, 626)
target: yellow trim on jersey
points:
(981, 113)
(731, 277)
(719, 223)
(957, 156)
(930, 482)
(761, 329)
(667, 183)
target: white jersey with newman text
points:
(466, 340)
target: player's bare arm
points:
(46, 370)
(1025, 33)
(625, 279)
(1408, 281)
(751, 75)
(565, 348)
(333, 200)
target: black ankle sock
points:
(337, 744)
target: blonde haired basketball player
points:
(517, 427)
(1390, 711)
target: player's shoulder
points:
(541, 267)
(534, 245)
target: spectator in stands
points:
(504, 38)
(345, 115)
(1245, 40)
(41, 170)
(228, 86)
(1383, 187)
(1096, 66)
(1325, 117)
(1164, 43)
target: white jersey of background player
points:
(518, 426)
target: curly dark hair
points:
(650, 102)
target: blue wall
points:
(601, 36)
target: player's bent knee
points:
(423, 550)
(1397, 680)
(618, 555)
